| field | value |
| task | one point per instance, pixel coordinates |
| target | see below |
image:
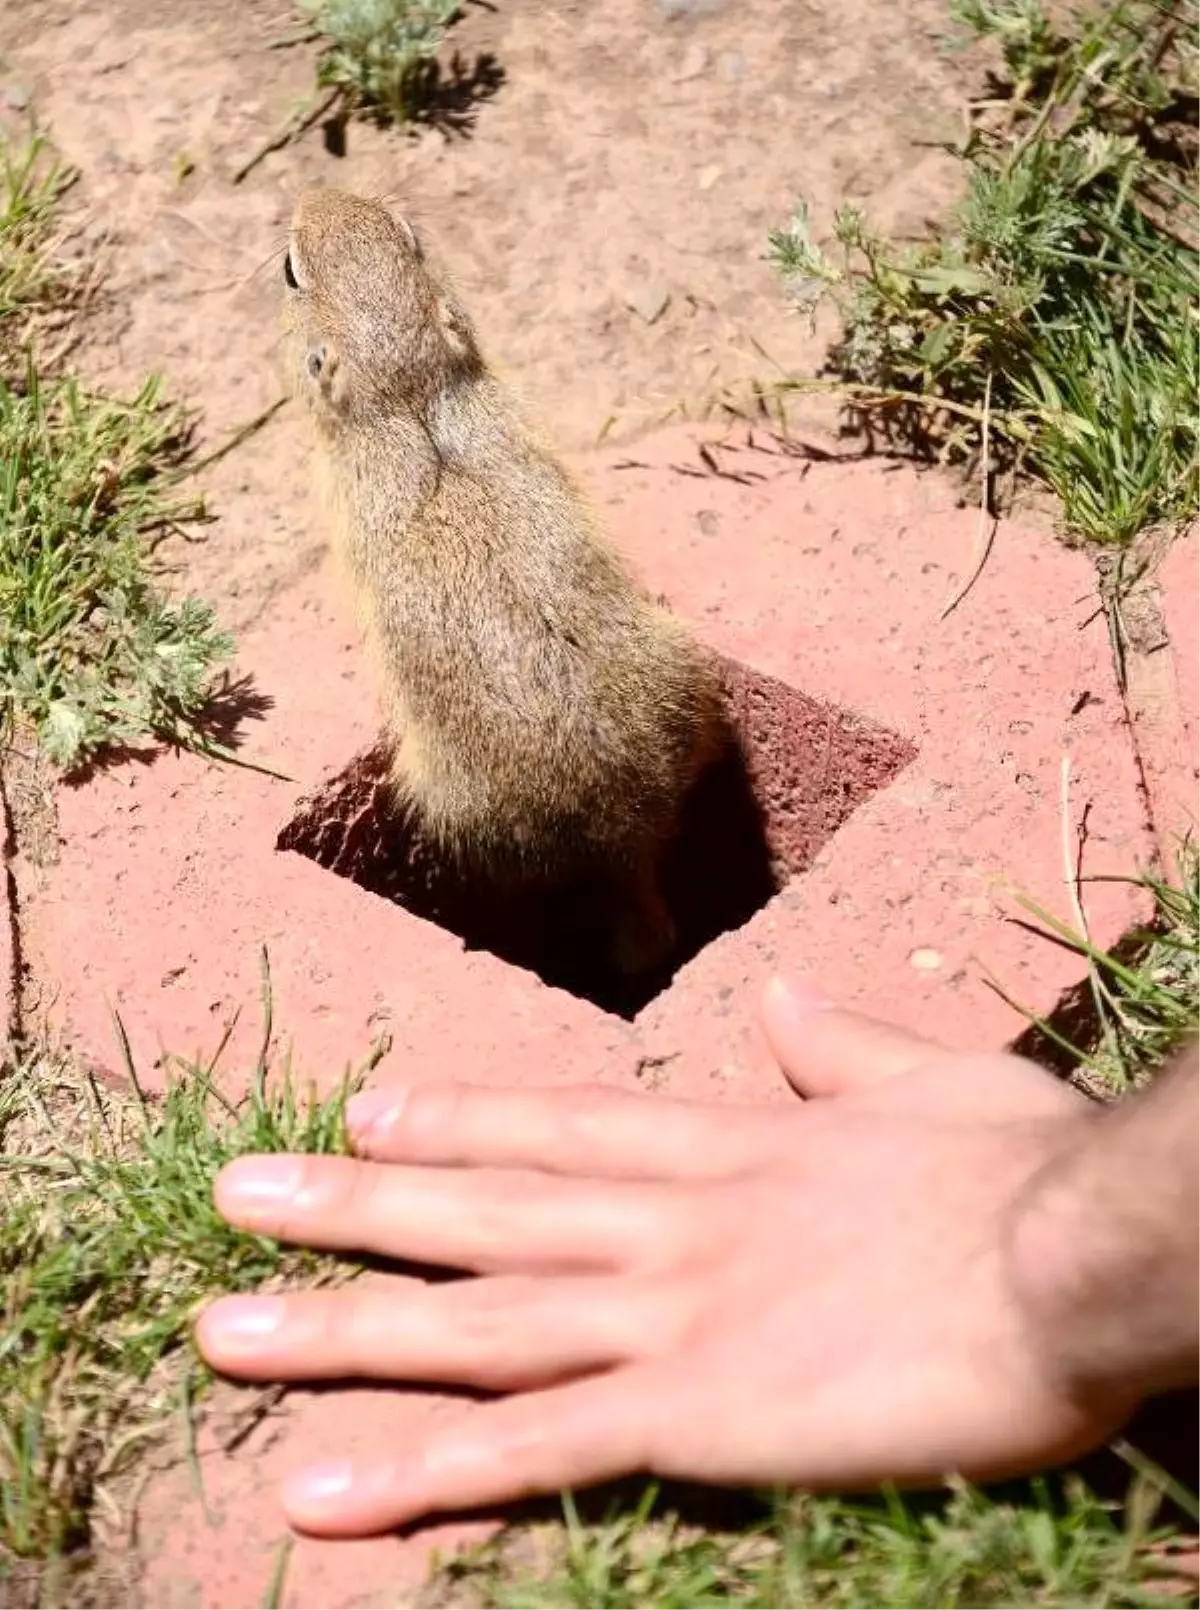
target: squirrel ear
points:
(455, 327)
(321, 362)
(410, 234)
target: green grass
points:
(378, 54)
(33, 281)
(1144, 997)
(1047, 1547)
(93, 657)
(1051, 326)
(108, 1244)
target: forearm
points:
(1104, 1244)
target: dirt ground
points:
(602, 183)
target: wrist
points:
(1097, 1263)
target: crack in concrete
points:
(11, 948)
(1147, 678)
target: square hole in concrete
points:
(797, 771)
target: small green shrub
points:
(92, 656)
(380, 52)
(1060, 302)
(32, 280)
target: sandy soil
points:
(603, 196)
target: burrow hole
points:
(797, 771)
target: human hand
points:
(816, 1295)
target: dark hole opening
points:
(796, 772)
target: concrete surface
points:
(828, 576)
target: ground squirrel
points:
(548, 717)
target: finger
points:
(533, 1444)
(827, 1052)
(586, 1130)
(506, 1333)
(486, 1220)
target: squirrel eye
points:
(289, 273)
(316, 361)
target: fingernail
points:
(243, 1319)
(319, 1484)
(260, 1182)
(797, 995)
(374, 1109)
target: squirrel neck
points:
(385, 467)
(468, 424)
(381, 471)
(474, 426)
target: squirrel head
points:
(373, 328)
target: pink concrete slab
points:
(222, 1547)
(838, 584)
(830, 577)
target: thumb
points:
(825, 1051)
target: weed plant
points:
(1058, 308)
(93, 656)
(378, 54)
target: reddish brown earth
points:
(606, 212)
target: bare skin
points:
(895, 1279)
